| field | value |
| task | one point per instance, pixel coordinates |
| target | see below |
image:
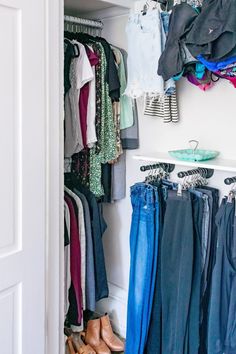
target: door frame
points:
(54, 323)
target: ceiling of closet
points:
(86, 6)
(83, 6)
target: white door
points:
(22, 176)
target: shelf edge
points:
(222, 165)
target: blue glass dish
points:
(194, 155)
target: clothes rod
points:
(168, 167)
(84, 22)
(204, 172)
(230, 180)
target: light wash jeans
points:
(143, 266)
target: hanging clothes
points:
(87, 101)
(80, 74)
(176, 274)
(130, 136)
(126, 110)
(90, 274)
(82, 240)
(67, 273)
(85, 272)
(144, 51)
(146, 33)
(222, 325)
(171, 62)
(202, 33)
(177, 271)
(91, 136)
(213, 34)
(133, 128)
(75, 259)
(96, 110)
(144, 251)
(165, 108)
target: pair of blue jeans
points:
(205, 300)
(192, 338)
(222, 322)
(143, 265)
(177, 251)
(153, 345)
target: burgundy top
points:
(84, 96)
(75, 257)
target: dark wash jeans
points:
(177, 269)
(174, 215)
(153, 344)
(222, 313)
(205, 300)
(192, 339)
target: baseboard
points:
(116, 306)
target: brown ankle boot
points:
(111, 340)
(92, 337)
(70, 346)
(81, 347)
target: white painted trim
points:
(54, 17)
(54, 14)
(117, 293)
(116, 306)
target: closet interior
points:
(103, 163)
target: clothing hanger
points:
(75, 47)
(194, 178)
(228, 181)
(232, 194)
(80, 37)
(147, 6)
(166, 5)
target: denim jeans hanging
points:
(176, 266)
(144, 252)
(222, 323)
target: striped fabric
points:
(165, 108)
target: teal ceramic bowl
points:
(197, 155)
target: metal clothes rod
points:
(206, 172)
(84, 22)
(230, 180)
(168, 167)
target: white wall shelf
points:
(216, 164)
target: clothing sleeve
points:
(81, 224)
(84, 70)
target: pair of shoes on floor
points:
(101, 338)
(77, 346)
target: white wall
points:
(209, 117)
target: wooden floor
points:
(75, 335)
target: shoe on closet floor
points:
(93, 338)
(70, 347)
(81, 347)
(107, 334)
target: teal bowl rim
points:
(194, 156)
